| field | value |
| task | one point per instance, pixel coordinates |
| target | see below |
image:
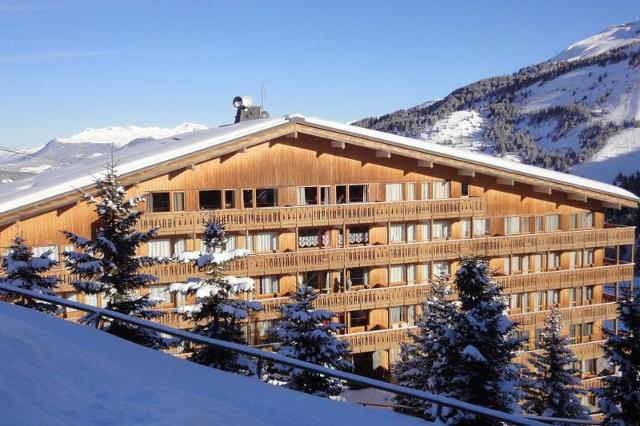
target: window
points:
(552, 222)
(587, 329)
(160, 293)
(396, 274)
(515, 301)
(178, 245)
(525, 264)
(229, 199)
(575, 259)
(159, 248)
(396, 233)
(573, 221)
(464, 189)
(71, 297)
(266, 241)
(210, 200)
(263, 331)
(178, 201)
(411, 315)
(341, 194)
(553, 296)
(247, 198)
(539, 223)
(359, 318)
(411, 192)
(411, 274)
(554, 261)
(159, 202)
(425, 191)
(357, 276)
(441, 269)
(465, 225)
(51, 251)
(357, 235)
(248, 241)
(540, 301)
(587, 293)
(512, 225)
(324, 195)
(425, 273)
(441, 229)
(425, 229)
(307, 195)
(91, 299)
(526, 225)
(266, 197)
(231, 243)
(586, 220)
(441, 189)
(589, 366)
(309, 279)
(411, 232)
(393, 192)
(358, 193)
(525, 302)
(269, 285)
(588, 257)
(574, 332)
(538, 338)
(575, 295)
(397, 314)
(480, 227)
(537, 263)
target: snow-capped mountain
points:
(89, 143)
(578, 112)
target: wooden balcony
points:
(377, 340)
(578, 314)
(566, 278)
(375, 255)
(580, 350)
(321, 215)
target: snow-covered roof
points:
(144, 154)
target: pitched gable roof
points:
(150, 154)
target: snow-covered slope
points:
(58, 373)
(611, 38)
(578, 112)
(89, 143)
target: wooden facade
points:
(369, 225)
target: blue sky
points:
(70, 64)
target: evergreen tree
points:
(109, 264)
(425, 363)
(484, 346)
(25, 271)
(553, 386)
(620, 399)
(218, 312)
(309, 334)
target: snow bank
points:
(58, 373)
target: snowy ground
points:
(58, 373)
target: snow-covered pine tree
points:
(620, 399)
(309, 334)
(552, 388)
(219, 312)
(425, 363)
(108, 263)
(25, 271)
(484, 338)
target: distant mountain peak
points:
(613, 37)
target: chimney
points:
(246, 111)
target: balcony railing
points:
(588, 313)
(321, 215)
(580, 350)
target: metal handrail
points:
(438, 400)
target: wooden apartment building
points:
(367, 218)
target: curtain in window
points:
(588, 257)
(159, 248)
(248, 238)
(231, 242)
(178, 246)
(425, 191)
(301, 197)
(465, 225)
(537, 262)
(396, 314)
(441, 189)
(394, 192)
(525, 264)
(552, 222)
(411, 274)
(440, 268)
(411, 232)
(512, 225)
(266, 241)
(425, 229)
(480, 227)
(411, 191)
(40, 250)
(160, 293)
(441, 229)
(269, 285)
(411, 315)
(586, 221)
(91, 299)
(396, 233)
(178, 201)
(425, 273)
(396, 274)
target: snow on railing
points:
(438, 400)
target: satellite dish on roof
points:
(247, 101)
(237, 102)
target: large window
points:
(159, 248)
(266, 241)
(51, 251)
(359, 318)
(396, 274)
(159, 202)
(266, 197)
(247, 198)
(394, 192)
(552, 223)
(357, 276)
(480, 227)
(441, 229)
(341, 194)
(441, 269)
(307, 195)
(178, 201)
(441, 189)
(396, 233)
(512, 225)
(586, 220)
(210, 200)
(269, 285)
(229, 199)
(358, 194)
